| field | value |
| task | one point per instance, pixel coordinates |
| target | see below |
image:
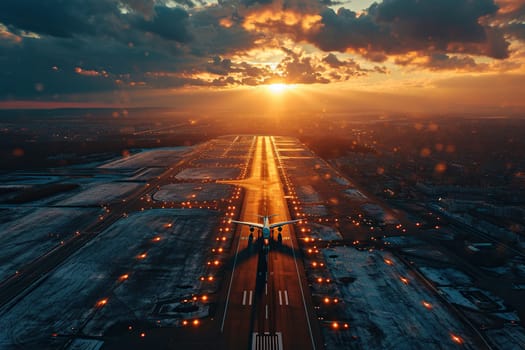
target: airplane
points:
(266, 227)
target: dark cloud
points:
(60, 18)
(345, 29)
(254, 2)
(511, 20)
(301, 69)
(333, 61)
(57, 47)
(400, 26)
(144, 7)
(331, 2)
(447, 62)
(213, 38)
(439, 22)
(517, 30)
(220, 66)
(347, 69)
(168, 23)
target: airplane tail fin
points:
(267, 216)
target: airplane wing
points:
(253, 224)
(277, 224)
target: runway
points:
(266, 304)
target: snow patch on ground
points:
(208, 173)
(379, 214)
(101, 193)
(66, 301)
(384, 311)
(342, 181)
(85, 344)
(192, 192)
(427, 253)
(159, 157)
(355, 194)
(34, 233)
(146, 174)
(325, 233)
(446, 276)
(315, 210)
(401, 241)
(507, 338)
(459, 296)
(21, 180)
(307, 194)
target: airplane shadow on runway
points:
(256, 248)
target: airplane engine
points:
(280, 228)
(252, 228)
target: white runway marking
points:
(230, 286)
(244, 298)
(280, 298)
(267, 341)
(250, 299)
(286, 297)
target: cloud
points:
(346, 69)
(511, 18)
(56, 47)
(168, 23)
(55, 17)
(440, 61)
(400, 26)
(144, 7)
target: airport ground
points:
(151, 259)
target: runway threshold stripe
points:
(267, 341)
(250, 299)
(244, 298)
(280, 298)
(286, 297)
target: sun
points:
(278, 88)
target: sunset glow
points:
(391, 56)
(293, 174)
(278, 88)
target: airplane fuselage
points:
(266, 228)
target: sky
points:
(268, 56)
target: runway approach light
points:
(102, 302)
(456, 339)
(427, 305)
